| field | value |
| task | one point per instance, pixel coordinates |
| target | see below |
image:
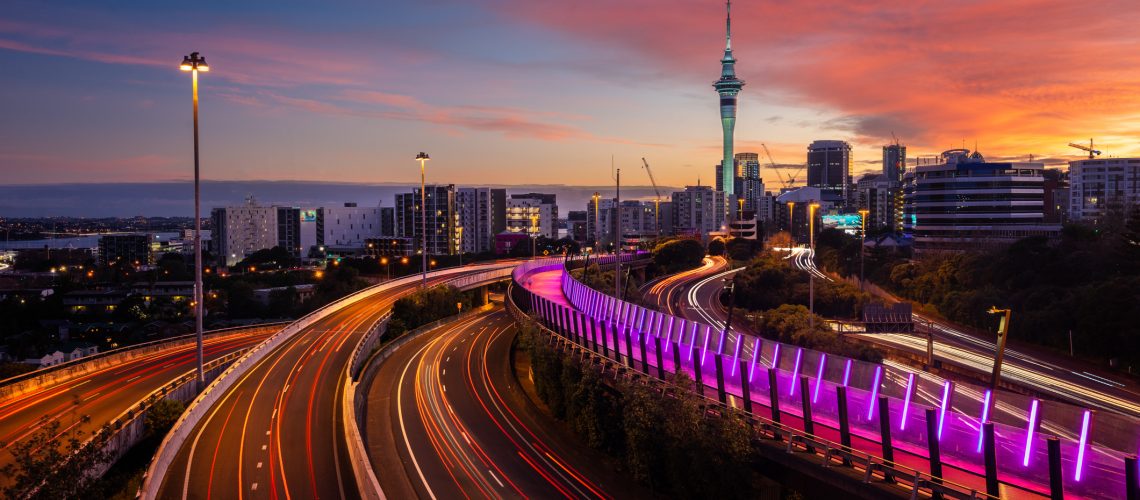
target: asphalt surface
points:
(278, 431)
(106, 393)
(446, 419)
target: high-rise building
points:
(698, 210)
(576, 226)
(1103, 189)
(126, 249)
(348, 226)
(442, 235)
(828, 168)
(242, 230)
(967, 203)
(874, 193)
(535, 214)
(727, 87)
(894, 162)
(473, 208)
(599, 220)
(387, 222)
(498, 211)
(289, 229)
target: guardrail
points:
(201, 405)
(797, 440)
(48, 376)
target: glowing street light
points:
(812, 207)
(195, 63)
(423, 157)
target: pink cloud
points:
(1022, 75)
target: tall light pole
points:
(534, 235)
(597, 219)
(792, 221)
(195, 63)
(423, 157)
(811, 276)
(863, 245)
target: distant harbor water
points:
(76, 242)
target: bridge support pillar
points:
(629, 348)
(720, 392)
(1056, 483)
(602, 332)
(642, 339)
(885, 436)
(805, 404)
(660, 364)
(677, 368)
(932, 447)
(745, 387)
(700, 381)
(483, 295)
(774, 395)
(844, 423)
(990, 450)
(1131, 481)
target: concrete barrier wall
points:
(215, 390)
(52, 375)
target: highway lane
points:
(445, 419)
(277, 432)
(106, 393)
(664, 292)
(1070, 381)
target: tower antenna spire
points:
(728, 25)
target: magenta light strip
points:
(1029, 432)
(736, 354)
(874, 392)
(1083, 442)
(796, 371)
(847, 373)
(705, 350)
(985, 417)
(720, 343)
(755, 356)
(947, 389)
(669, 334)
(776, 356)
(819, 377)
(906, 401)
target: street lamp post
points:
(792, 221)
(423, 157)
(597, 219)
(863, 245)
(195, 63)
(534, 236)
(811, 276)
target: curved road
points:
(106, 393)
(446, 419)
(277, 432)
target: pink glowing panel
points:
(693, 341)
(720, 343)
(736, 354)
(906, 401)
(755, 355)
(947, 391)
(1029, 432)
(985, 418)
(796, 371)
(874, 392)
(705, 349)
(847, 373)
(819, 378)
(776, 356)
(1084, 441)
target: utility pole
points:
(194, 63)
(423, 157)
(617, 232)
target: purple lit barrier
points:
(958, 406)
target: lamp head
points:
(423, 156)
(194, 62)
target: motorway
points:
(445, 418)
(277, 432)
(1065, 379)
(106, 393)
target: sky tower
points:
(728, 86)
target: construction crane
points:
(657, 203)
(791, 178)
(1089, 148)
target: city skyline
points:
(347, 94)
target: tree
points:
(742, 249)
(53, 462)
(161, 417)
(678, 255)
(716, 246)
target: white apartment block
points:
(1100, 188)
(473, 210)
(242, 230)
(347, 226)
(534, 214)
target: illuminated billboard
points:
(842, 221)
(308, 215)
